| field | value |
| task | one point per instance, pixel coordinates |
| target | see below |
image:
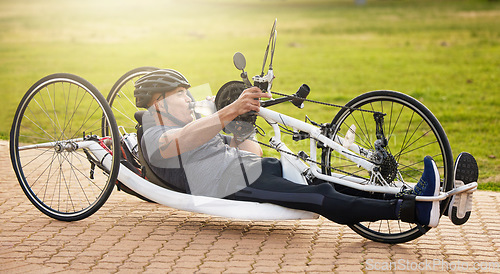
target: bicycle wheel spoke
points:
(124, 115)
(49, 167)
(38, 126)
(34, 159)
(121, 98)
(396, 122)
(417, 148)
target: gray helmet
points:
(158, 81)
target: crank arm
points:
(444, 195)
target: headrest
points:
(138, 116)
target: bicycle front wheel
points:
(57, 176)
(412, 131)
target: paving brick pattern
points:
(128, 235)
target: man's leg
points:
(341, 208)
(323, 199)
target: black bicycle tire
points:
(418, 230)
(15, 158)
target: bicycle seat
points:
(147, 171)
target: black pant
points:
(322, 198)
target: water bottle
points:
(204, 107)
(130, 140)
(350, 136)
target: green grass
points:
(444, 53)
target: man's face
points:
(177, 104)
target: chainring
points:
(243, 125)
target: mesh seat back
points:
(147, 172)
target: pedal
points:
(466, 172)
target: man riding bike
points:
(193, 157)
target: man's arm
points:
(200, 131)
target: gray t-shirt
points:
(212, 169)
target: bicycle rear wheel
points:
(57, 176)
(121, 98)
(412, 132)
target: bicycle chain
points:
(324, 103)
(305, 159)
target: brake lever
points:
(297, 99)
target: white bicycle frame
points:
(294, 169)
(188, 202)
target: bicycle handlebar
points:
(297, 99)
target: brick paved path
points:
(128, 235)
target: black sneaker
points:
(466, 172)
(428, 212)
